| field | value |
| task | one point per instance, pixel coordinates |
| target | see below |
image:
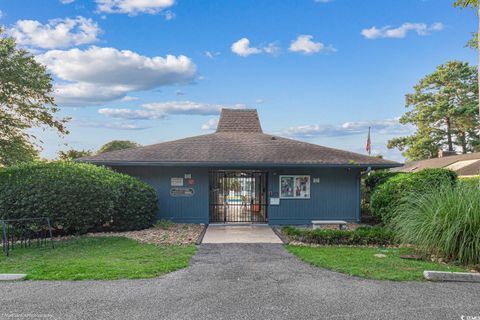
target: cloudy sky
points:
(322, 71)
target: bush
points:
(474, 181)
(359, 236)
(77, 197)
(377, 178)
(444, 222)
(387, 196)
(369, 184)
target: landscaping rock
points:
(410, 256)
(451, 276)
(12, 276)
(175, 234)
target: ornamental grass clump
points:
(444, 222)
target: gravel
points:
(175, 234)
(241, 281)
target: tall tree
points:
(16, 151)
(26, 100)
(73, 154)
(475, 42)
(443, 108)
(117, 145)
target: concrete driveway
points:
(241, 281)
(240, 234)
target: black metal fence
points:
(238, 196)
(21, 233)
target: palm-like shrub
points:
(444, 222)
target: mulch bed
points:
(175, 234)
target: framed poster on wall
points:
(294, 187)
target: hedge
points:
(473, 180)
(359, 236)
(77, 197)
(387, 196)
(377, 178)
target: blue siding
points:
(337, 196)
(179, 209)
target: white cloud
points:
(57, 33)
(243, 49)
(108, 125)
(384, 127)
(211, 124)
(272, 48)
(66, 1)
(129, 98)
(421, 29)
(133, 7)
(130, 114)
(84, 94)
(1, 14)
(169, 15)
(212, 54)
(160, 110)
(96, 75)
(305, 44)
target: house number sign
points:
(182, 192)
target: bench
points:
(342, 225)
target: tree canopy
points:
(26, 102)
(443, 108)
(73, 154)
(117, 145)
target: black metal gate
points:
(238, 196)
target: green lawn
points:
(96, 258)
(361, 262)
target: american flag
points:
(368, 146)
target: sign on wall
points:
(294, 187)
(182, 192)
(176, 182)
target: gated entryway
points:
(238, 196)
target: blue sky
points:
(320, 71)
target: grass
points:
(96, 258)
(361, 262)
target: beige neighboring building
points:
(463, 164)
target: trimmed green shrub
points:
(77, 197)
(369, 183)
(444, 222)
(376, 178)
(474, 181)
(359, 236)
(386, 197)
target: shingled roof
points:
(463, 164)
(239, 140)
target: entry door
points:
(238, 196)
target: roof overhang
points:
(238, 164)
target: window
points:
(294, 187)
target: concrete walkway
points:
(240, 234)
(241, 281)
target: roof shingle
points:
(238, 140)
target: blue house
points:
(240, 174)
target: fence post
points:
(50, 231)
(4, 237)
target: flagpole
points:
(369, 143)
